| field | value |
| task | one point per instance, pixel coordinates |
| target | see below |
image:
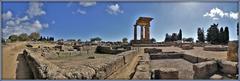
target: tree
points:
(153, 40)
(238, 28)
(226, 35)
(212, 34)
(79, 40)
(174, 37)
(188, 39)
(3, 41)
(51, 39)
(34, 36)
(23, 37)
(180, 35)
(167, 38)
(200, 33)
(95, 39)
(13, 38)
(221, 36)
(125, 40)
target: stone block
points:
(228, 67)
(128, 56)
(142, 76)
(190, 58)
(204, 70)
(187, 46)
(232, 51)
(168, 73)
(152, 50)
(215, 48)
(216, 77)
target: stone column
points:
(141, 32)
(135, 32)
(147, 35)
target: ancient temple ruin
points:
(144, 23)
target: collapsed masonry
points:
(153, 66)
(44, 69)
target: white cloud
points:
(35, 9)
(10, 23)
(233, 15)
(215, 18)
(87, 3)
(25, 18)
(23, 27)
(7, 16)
(25, 24)
(216, 14)
(114, 9)
(81, 11)
(37, 25)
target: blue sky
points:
(113, 21)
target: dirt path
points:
(14, 66)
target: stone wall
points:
(143, 68)
(108, 50)
(204, 70)
(232, 54)
(228, 67)
(215, 48)
(43, 69)
(165, 55)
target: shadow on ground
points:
(23, 71)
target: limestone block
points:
(142, 76)
(152, 50)
(215, 48)
(128, 56)
(204, 70)
(168, 73)
(228, 67)
(232, 51)
(187, 46)
(216, 77)
(190, 58)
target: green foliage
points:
(23, 37)
(174, 37)
(95, 39)
(238, 28)
(34, 36)
(188, 39)
(221, 36)
(180, 35)
(3, 41)
(153, 40)
(79, 40)
(125, 40)
(212, 34)
(200, 34)
(226, 35)
(13, 38)
(167, 38)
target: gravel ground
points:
(184, 67)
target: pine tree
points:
(226, 35)
(221, 36)
(201, 35)
(180, 35)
